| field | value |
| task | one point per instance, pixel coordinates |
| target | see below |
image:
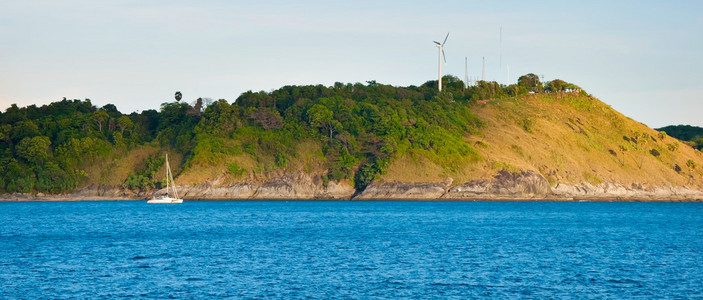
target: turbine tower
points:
(466, 72)
(441, 55)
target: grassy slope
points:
(568, 138)
(115, 168)
(308, 158)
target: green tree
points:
(124, 123)
(6, 133)
(556, 85)
(530, 82)
(178, 96)
(515, 90)
(99, 117)
(111, 110)
(34, 150)
(267, 118)
(24, 129)
(319, 116)
(220, 118)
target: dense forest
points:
(691, 134)
(361, 127)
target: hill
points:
(367, 141)
(691, 134)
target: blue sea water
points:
(346, 249)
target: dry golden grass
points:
(569, 139)
(414, 167)
(115, 169)
(307, 158)
(310, 158)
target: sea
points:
(351, 250)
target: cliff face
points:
(289, 186)
(524, 185)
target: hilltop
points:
(692, 135)
(529, 140)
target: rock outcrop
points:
(612, 192)
(290, 186)
(525, 185)
(505, 185)
(402, 191)
(99, 192)
(206, 190)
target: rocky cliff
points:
(523, 185)
(558, 146)
(289, 186)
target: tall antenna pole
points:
(500, 49)
(483, 69)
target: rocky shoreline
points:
(505, 186)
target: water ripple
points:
(351, 250)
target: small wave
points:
(139, 257)
(194, 279)
(143, 267)
(455, 284)
(625, 281)
(440, 284)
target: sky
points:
(644, 58)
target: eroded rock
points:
(523, 185)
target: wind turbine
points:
(441, 55)
(466, 72)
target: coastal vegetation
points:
(692, 135)
(355, 133)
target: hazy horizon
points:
(642, 58)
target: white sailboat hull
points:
(167, 200)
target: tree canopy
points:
(531, 82)
(361, 128)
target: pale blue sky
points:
(642, 57)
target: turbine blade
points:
(436, 42)
(445, 39)
(443, 56)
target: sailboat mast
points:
(167, 171)
(169, 177)
(173, 183)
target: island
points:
(530, 140)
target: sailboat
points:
(170, 187)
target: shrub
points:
(673, 146)
(691, 164)
(281, 160)
(138, 181)
(235, 170)
(661, 135)
(366, 174)
(527, 124)
(677, 168)
(146, 178)
(325, 181)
